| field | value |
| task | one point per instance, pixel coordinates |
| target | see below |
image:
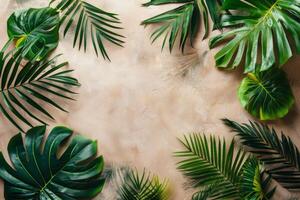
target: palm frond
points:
(142, 187)
(254, 185)
(257, 26)
(183, 21)
(91, 22)
(280, 155)
(23, 88)
(208, 162)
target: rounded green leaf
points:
(266, 95)
(35, 30)
(46, 171)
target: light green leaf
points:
(266, 95)
(37, 172)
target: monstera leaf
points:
(38, 172)
(34, 30)
(279, 154)
(184, 20)
(254, 185)
(266, 95)
(142, 187)
(26, 88)
(258, 26)
(90, 22)
(208, 163)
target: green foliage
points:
(142, 187)
(266, 95)
(92, 23)
(39, 173)
(253, 183)
(258, 26)
(279, 154)
(23, 87)
(208, 162)
(34, 30)
(183, 21)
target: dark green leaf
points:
(37, 172)
(21, 87)
(34, 30)
(257, 26)
(279, 154)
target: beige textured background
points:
(139, 103)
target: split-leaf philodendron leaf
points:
(258, 26)
(266, 95)
(183, 21)
(38, 172)
(34, 30)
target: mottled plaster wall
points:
(136, 105)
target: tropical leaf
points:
(207, 162)
(280, 155)
(254, 185)
(258, 26)
(142, 187)
(34, 30)
(23, 89)
(266, 95)
(38, 173)
(183, 21)
(91, 22)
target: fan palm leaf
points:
(142, 187)
(183, 21)
(258, 26)
(208, 162)
(23, 89)
(91, 22)
(38, 173)
(279, 154)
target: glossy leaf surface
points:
(37, 172)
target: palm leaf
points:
(183, 21)
(23, 88)
(142, 187)
(91, 22)
(266, 95)
(34, 30)
(208, 162)
(280, 155)
(38, 173)
(258, 26)
(254, 186)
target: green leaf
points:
(266, 95)
(37, 172)
(142, 187)
(208, 162)
(90, 23)
(279, 154)
(25, 90)
(183, 21)
(254, 185)
(257, 25)
(34, 30)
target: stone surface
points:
(138, 104)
